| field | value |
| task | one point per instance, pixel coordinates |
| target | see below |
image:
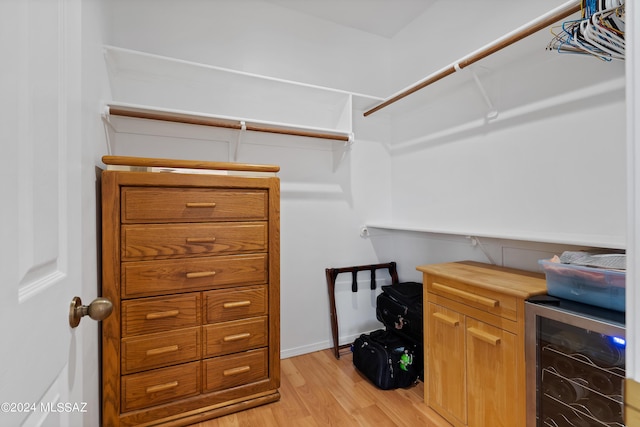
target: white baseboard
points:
(322, 345)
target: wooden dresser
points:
(191, 262)
(474, 342)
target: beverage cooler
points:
(575, 355)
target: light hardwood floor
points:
(319, 390)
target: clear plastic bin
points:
(595, 286)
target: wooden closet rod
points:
(532, 27)
(196, 119)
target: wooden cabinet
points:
(191, 263)
(474, 342)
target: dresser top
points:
(146, 162)
(510, 281)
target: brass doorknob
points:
(99, 309)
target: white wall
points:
(449, 30)
(552, 178)
(256, 37)
(435, 161)
(549, 168)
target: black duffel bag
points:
(388, 360)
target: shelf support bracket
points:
(475, 241)
(243, 128)
(493, 112)
(108, 128)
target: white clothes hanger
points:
(599, 33)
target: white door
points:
(40, 215)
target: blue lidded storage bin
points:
(595, 286)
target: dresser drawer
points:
(162, 349)
(160, 241)
(160, 385)
(235, 303)
(481, 298)
(149, 204)
(237, 369)
(160, 314)
(237, 335)
(142, 278)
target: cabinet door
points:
(446, 361)
(491, 376)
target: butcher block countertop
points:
(508, 281)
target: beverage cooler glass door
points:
(575, 364)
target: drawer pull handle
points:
(484, 336)
(198, 274)
(487, 302)
(201, 239)
(236, 304)
(162, 314)
(201, 205)
(162, 350)
(236, 371)
(236, 337)
(162, 387)
(446, 319)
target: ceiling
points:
(382, 17)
